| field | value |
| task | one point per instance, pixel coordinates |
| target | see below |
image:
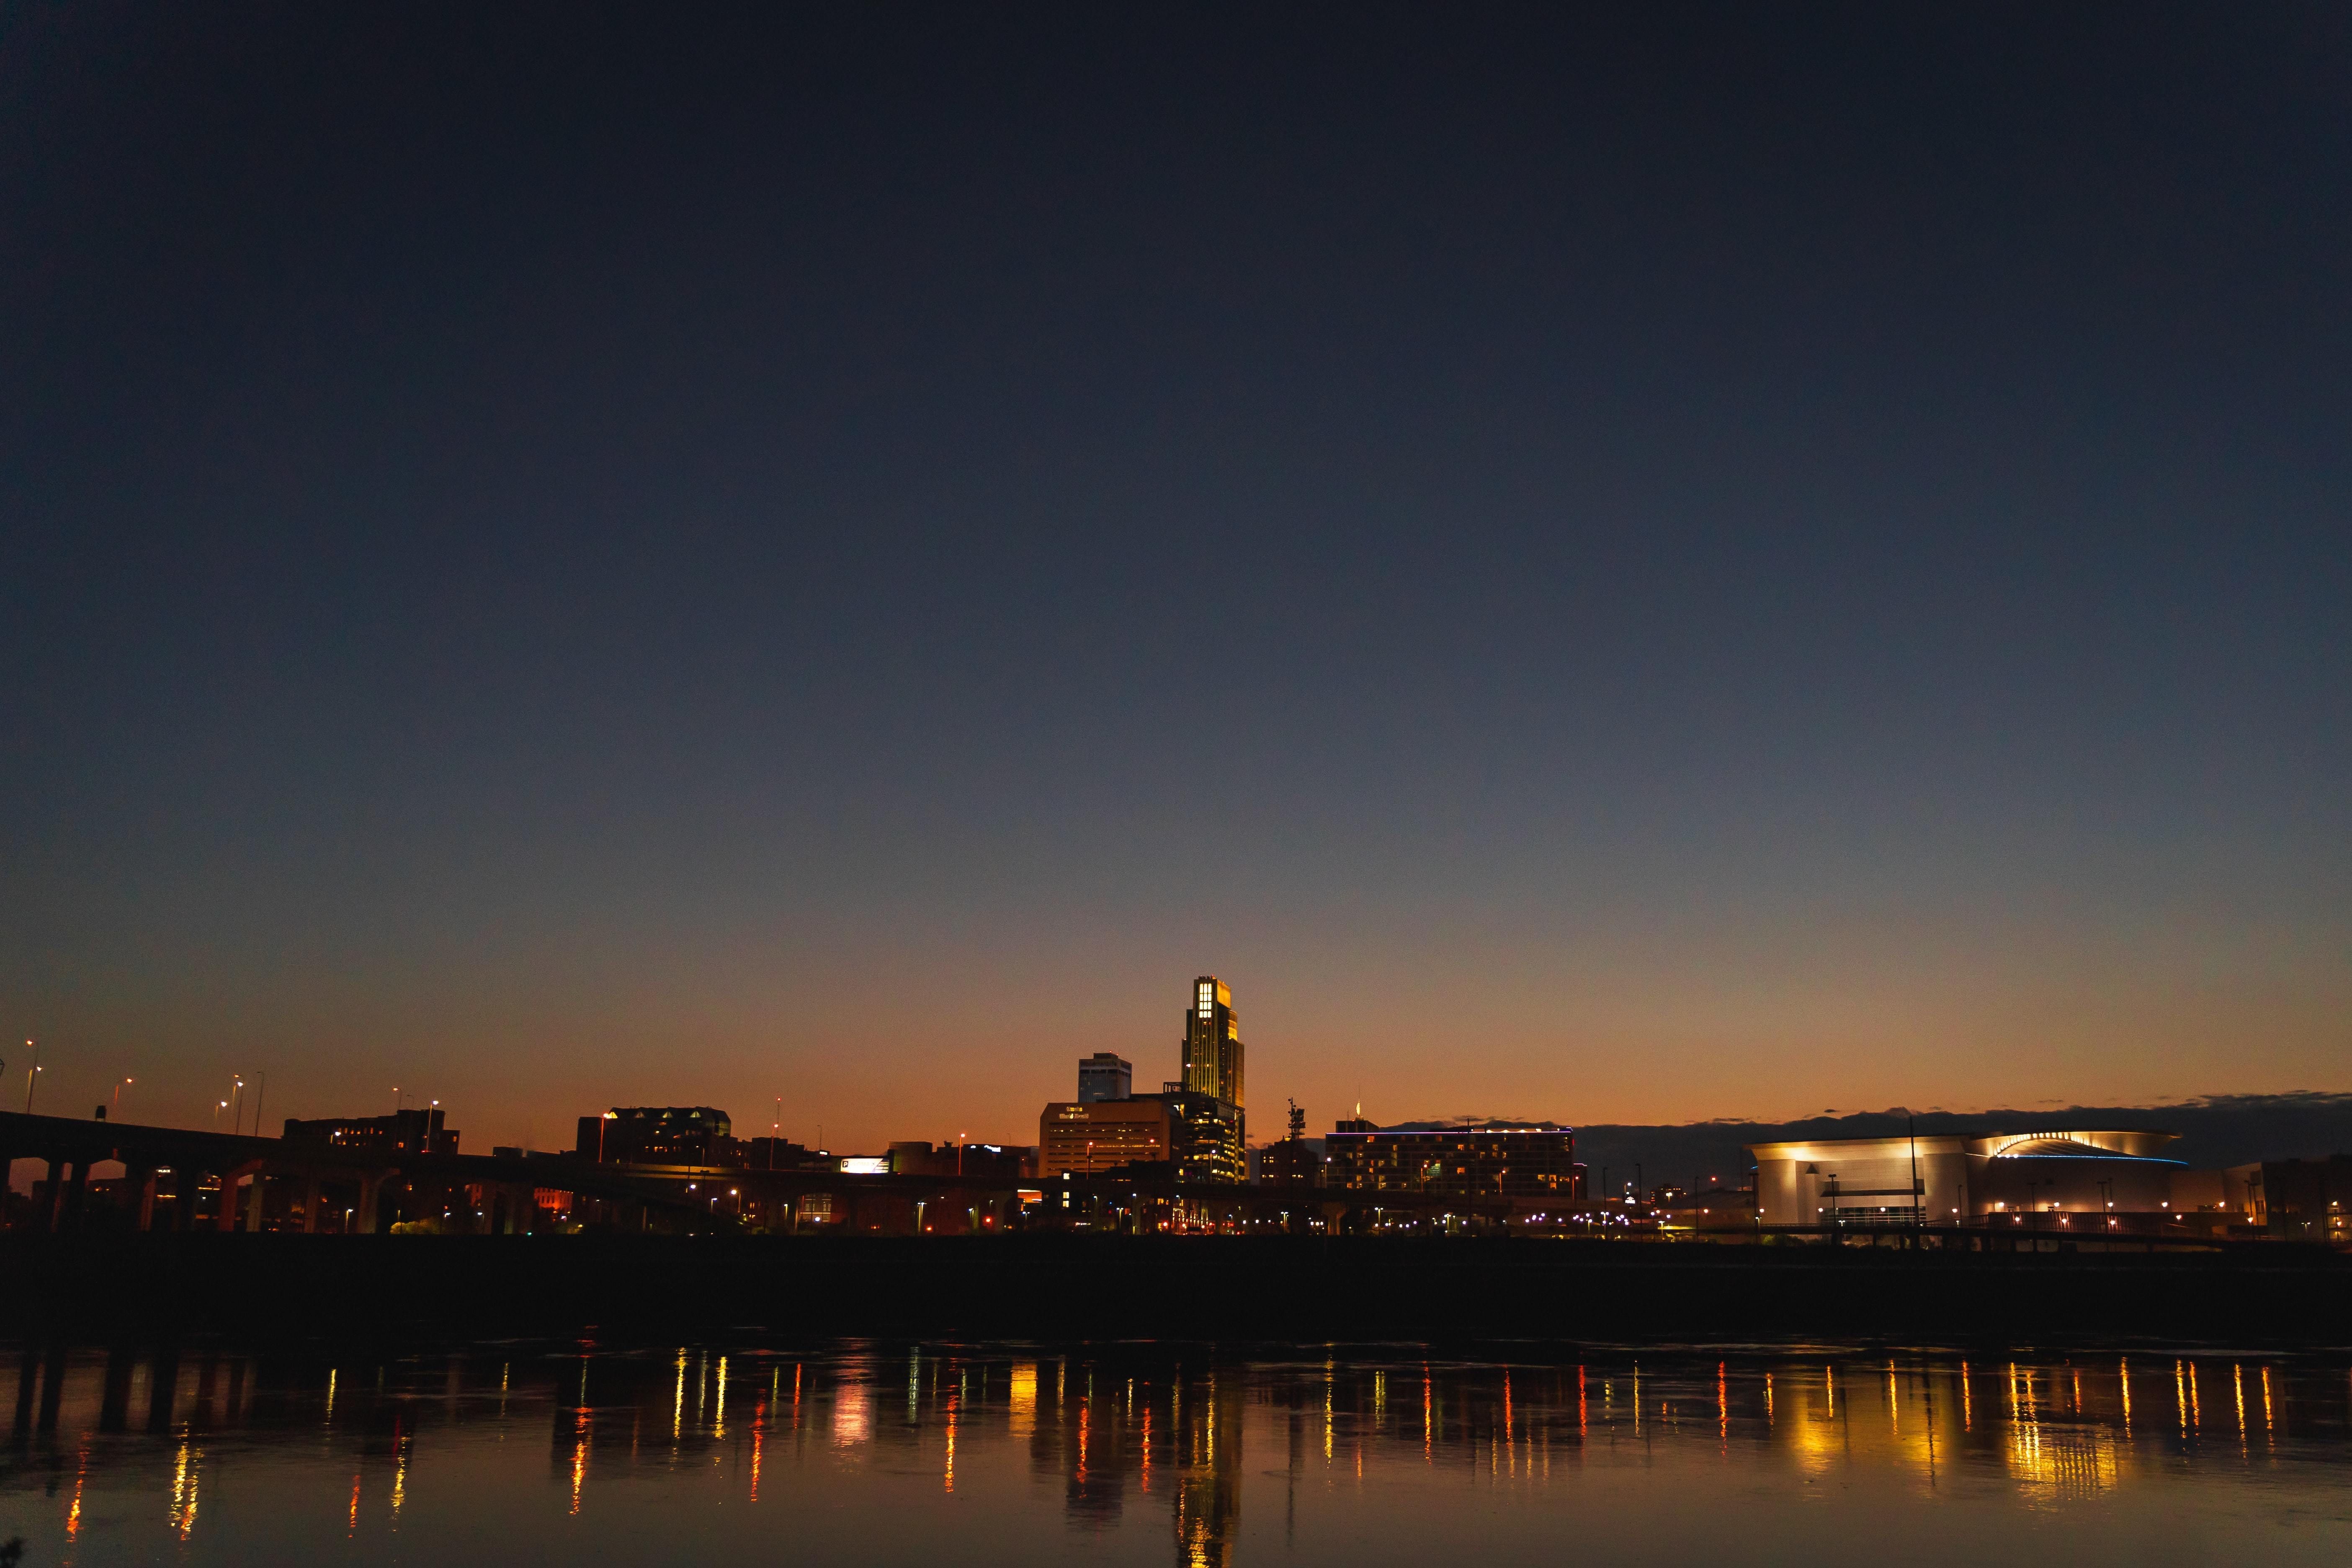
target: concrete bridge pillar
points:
(230, 1180)
(310, 1204)
(523, 1210)
(253, 1203)
(53, 1197)
(371, 1200)
(78, 1196)
(139, 1180)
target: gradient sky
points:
(1623, 564)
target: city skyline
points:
(548, 1121)
(1594, 564)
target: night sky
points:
(1620, 564)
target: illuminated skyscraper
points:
(1212, 1043)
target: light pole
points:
(30, 1074)
(1918, 1201)
(117, 1112)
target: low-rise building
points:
(1087, 1137)
(1297, 1160)
(2295, 1200)
(414, 1131)
(777, 1153)
(994, 1161)
(660, 1135)
(1466, 1160)
(1950, 1179)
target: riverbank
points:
(276, 1286)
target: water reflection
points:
(865, 1452)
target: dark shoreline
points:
(281, 1289)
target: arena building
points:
(1946, 1179)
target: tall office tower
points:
(1105, 1076)
(1212, 1043)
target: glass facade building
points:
(1204, 1137)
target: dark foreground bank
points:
(94, 1287)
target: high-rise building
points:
(1212, 1043)
(1105, 1076)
